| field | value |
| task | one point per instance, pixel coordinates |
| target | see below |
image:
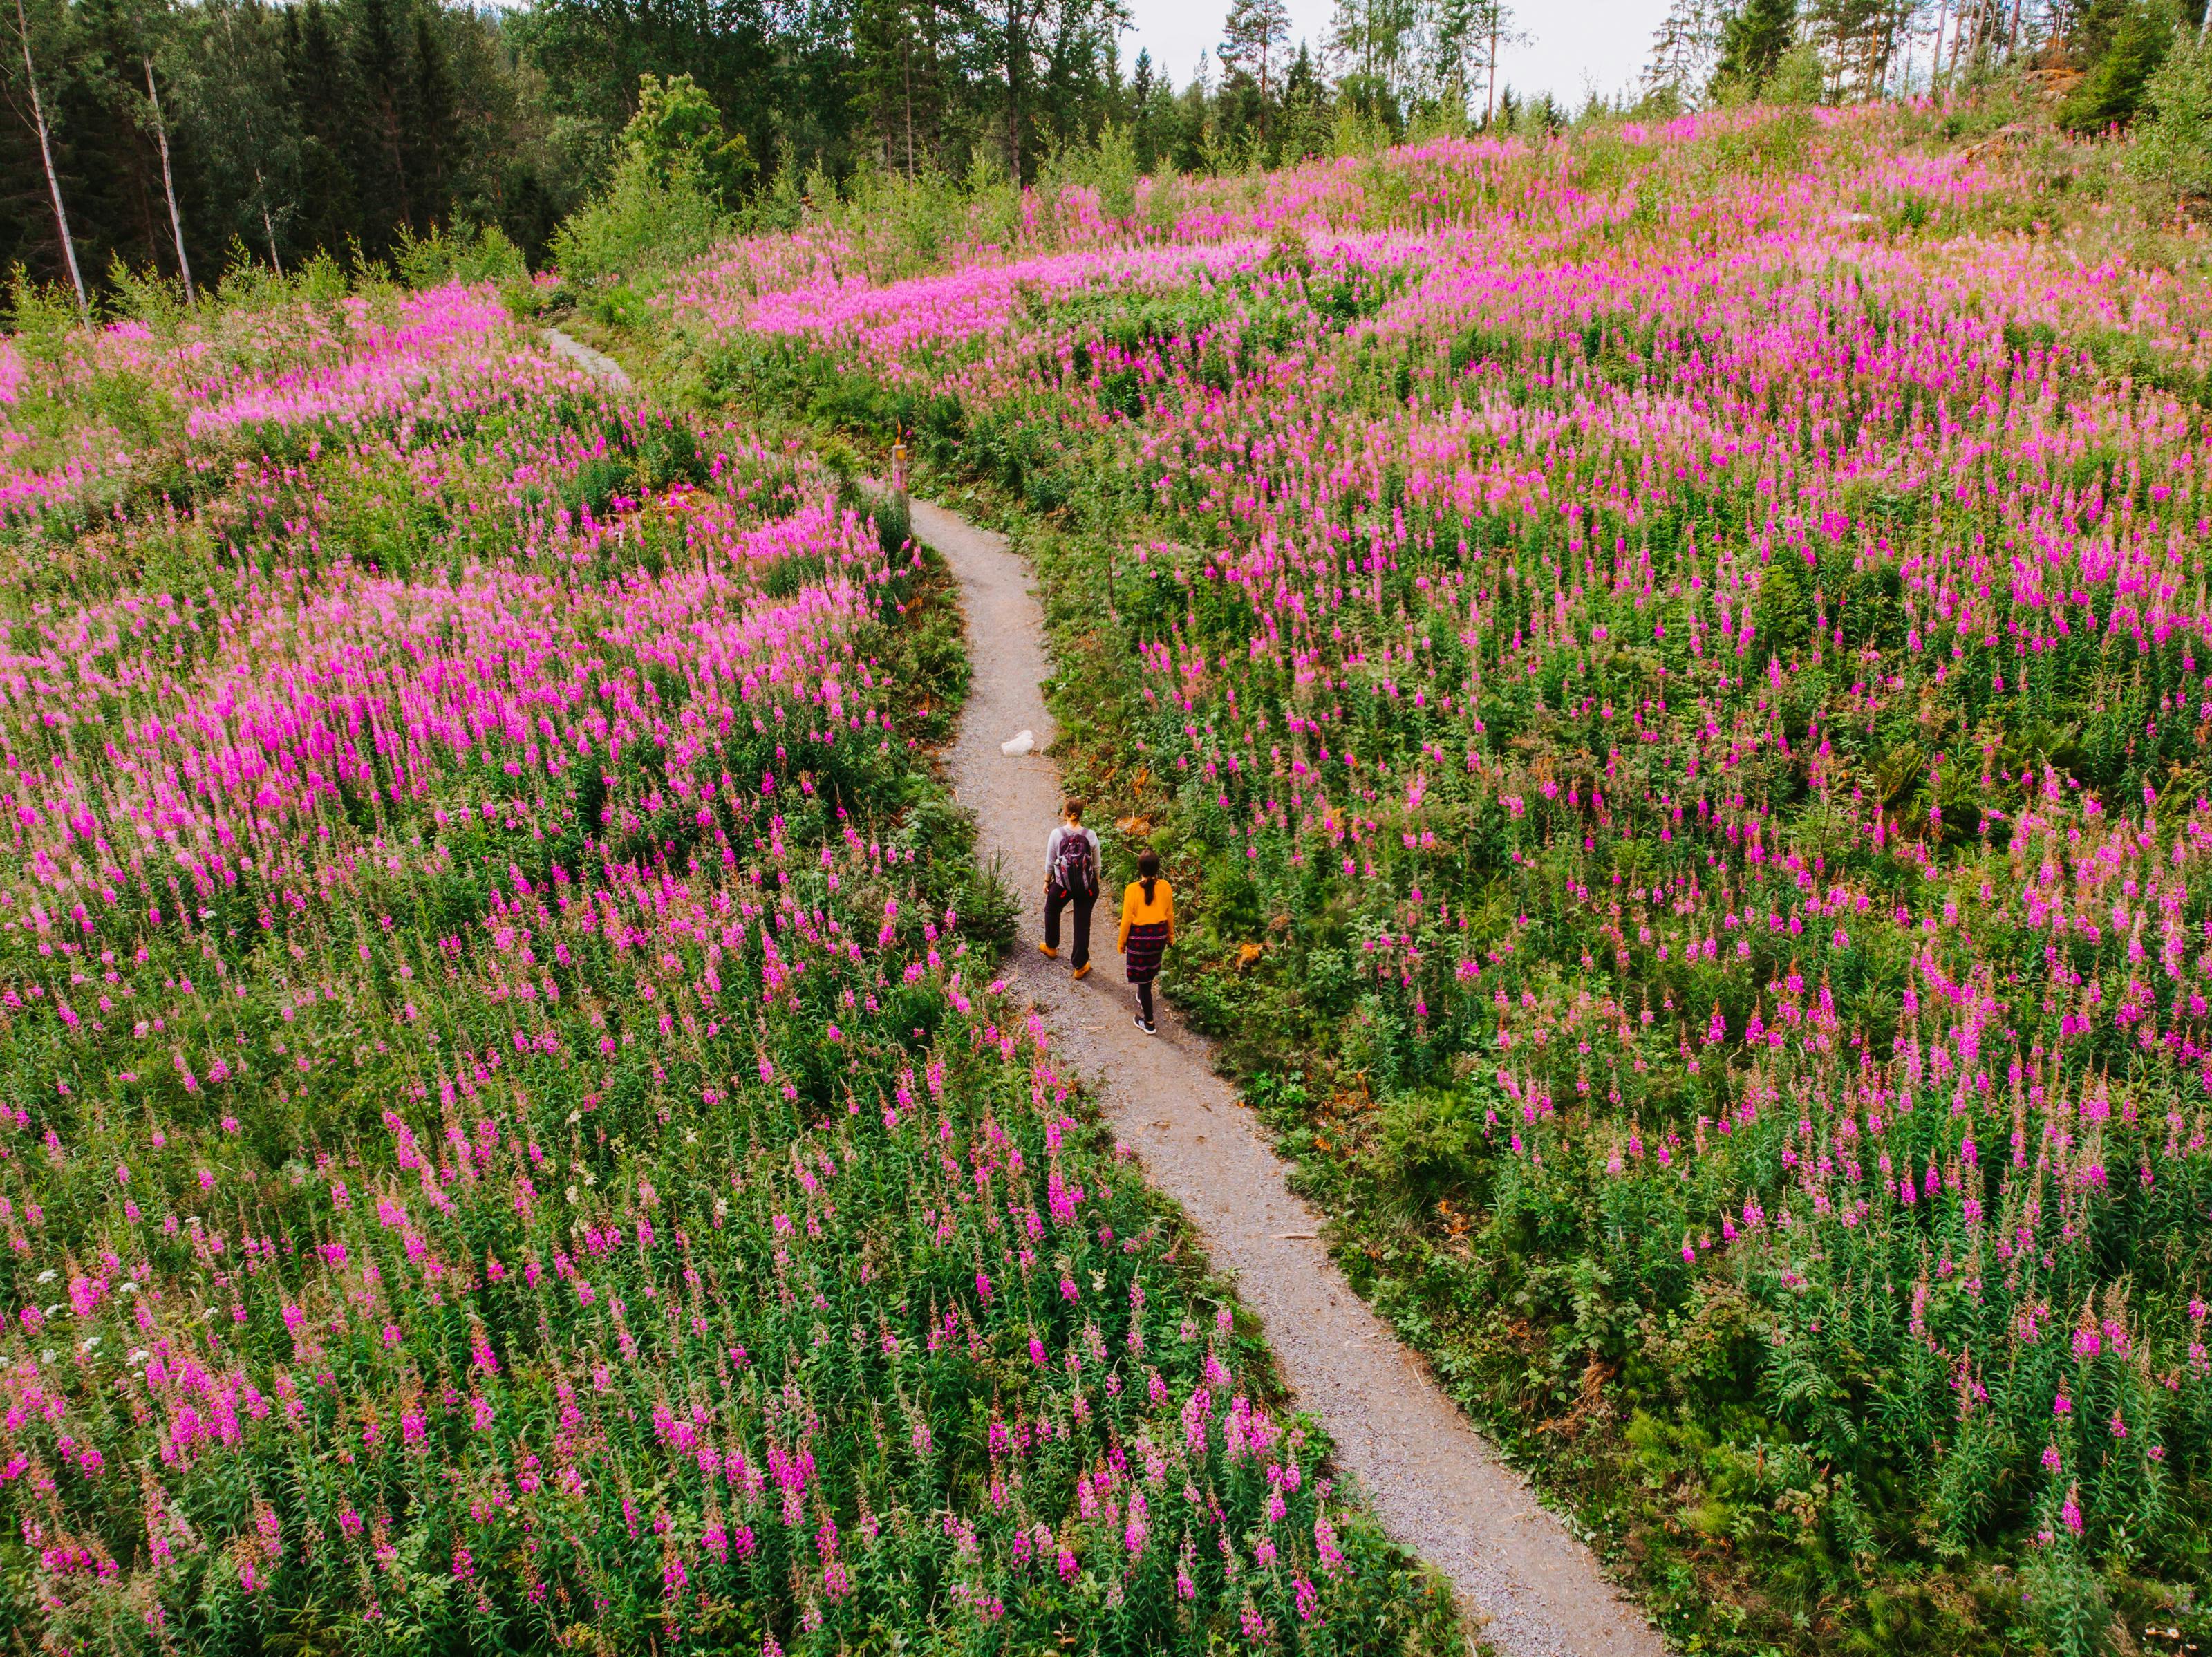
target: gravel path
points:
(1438, 1486)
(596, 362)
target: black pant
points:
(1145, 999)
(1054, 901)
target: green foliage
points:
(1755, 40)
(1797, 78)
(2137, 37)
(2172, 156)
(558, 1176)
(485, 254)
(1605, 1184)
(145, 296)
(638, 226)
(1429, 1145)
(41, 315)
(329, 125)
(677, 169)
(678, 138)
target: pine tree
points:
(236, 101)
(1305, 118)
(1460, 41)
(168, 180)
(1685, 48)
(1152, 115)
(2136, 43)
(1373, 42)
(1254, 30)
(1858, 43)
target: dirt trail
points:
(1437, 1483)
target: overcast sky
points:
(1567, 43)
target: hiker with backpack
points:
(1071, 876)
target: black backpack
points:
(1074, 868)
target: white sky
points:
(1566, 43)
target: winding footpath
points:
(1438, 1485)
(592, 362)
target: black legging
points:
(1054, 901)
(1145, 999)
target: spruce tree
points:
(383, 85)
(331, 197)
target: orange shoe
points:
(1047, 950)
(1083, 971)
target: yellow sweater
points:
(1136, 912)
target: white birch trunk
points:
(46, 155)
(168, 183)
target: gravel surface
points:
(598, 362)
(1437, 1483)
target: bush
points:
(457, 255)
(666, 202)
(642, 222)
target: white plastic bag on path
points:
(1019, 744)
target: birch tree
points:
(46, 156)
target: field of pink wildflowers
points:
(511, 1138)
(1674, 667)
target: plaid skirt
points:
(1147, 944)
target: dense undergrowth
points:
(1674, 665)
(511, 1139)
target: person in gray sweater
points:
(1071, 876)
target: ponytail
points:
(1148, 870)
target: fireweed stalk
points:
(509, 1134)
(1689, 676)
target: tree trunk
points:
(46, 155)
(907, 59)
(169, 184)
(1490, 77)
(1265, 46)
(1016, 51)
(268, 229)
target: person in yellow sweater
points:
(1147, 929)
